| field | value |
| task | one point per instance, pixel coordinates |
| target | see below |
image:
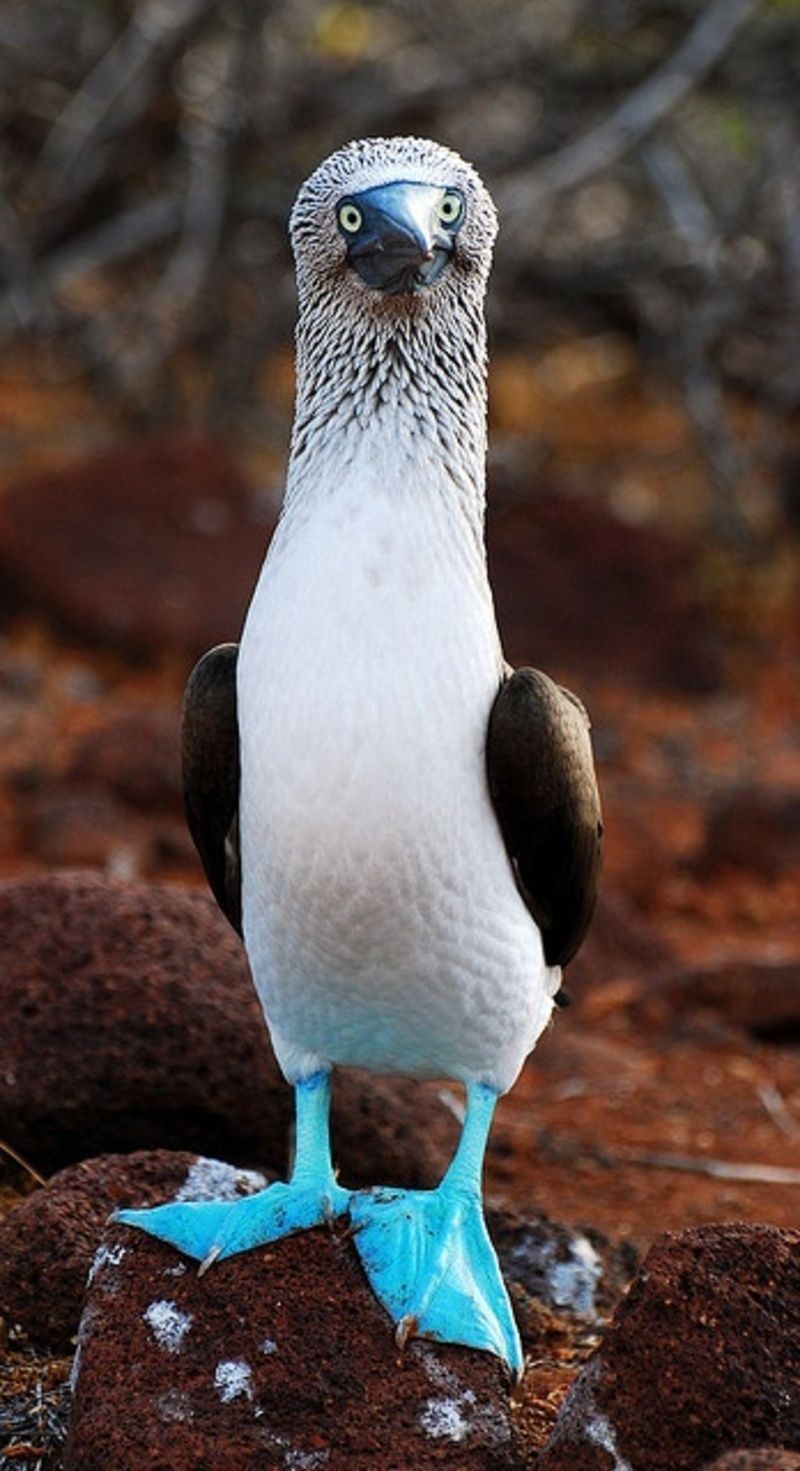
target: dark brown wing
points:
(210, 758)
(542, 783)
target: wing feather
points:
(544, 791)
(210, 761)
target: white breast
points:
(381, 918)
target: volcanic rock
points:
(278, 1357)
(757, 1460)
(619, 944)
(48, 1243)
(135, 755)
(755, 828)
(129, 1022)
(638, 612)
(136, 538)
(701, 1357)
(761, 999)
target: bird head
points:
(390, 226)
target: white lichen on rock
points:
(573, 1282)
(456, 1413)
(168, 1324)
(581, 1417)
(444, 1417)
(106, 1256)
(601, 1432)
(569, 1271)
(292, 1458)
(269, 1346)
(232, 1378)
(212, 1179)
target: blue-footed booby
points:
(405, 831)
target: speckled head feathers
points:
(320, 252)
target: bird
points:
(405, 830)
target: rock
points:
(48, 1244)
(277, 1358)
(638, 612)
(756, 828)
(129, 1022)
(557, 1274)
(761, 999)
(135, 755)
(702, 1356)
(65, 827)
(619, 944)
(136, 537)
(756, 1460)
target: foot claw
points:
(208, 1260)
(406, 1328)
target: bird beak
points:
(401, 246)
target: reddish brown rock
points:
(67, 827)
(757, 1460)
(756, 828)
(760, 999)
(135, 755)
(48, 1244)
(620, 944)
(546, 1264)
(129, 1022)
(702, 1356)
(151, 546)
(638, 613)
(275, 1358)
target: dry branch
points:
(638, 114)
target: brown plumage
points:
(210, 759)
(542, 783)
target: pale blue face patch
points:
(400, 236)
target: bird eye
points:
(451, 208)
(350, 218)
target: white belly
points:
(381, 918)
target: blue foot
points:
(209, 1230)
(428, 1254)
(431, 1263)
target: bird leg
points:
(428, 1254)
(210, 1229)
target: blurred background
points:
(643, 154)
(644, 519)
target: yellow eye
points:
(450, 207)
(350, 218)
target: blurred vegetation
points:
(643, 154)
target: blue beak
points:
(400, 246)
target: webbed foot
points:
(431, 1263)
(210, 1230)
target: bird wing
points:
(210, 761)
(542, 784)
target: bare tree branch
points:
(635, 117)
(111, 95)
(120, 238)
(164, 317)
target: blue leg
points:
(210, 1229)
(428, 1254)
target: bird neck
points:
(406, 393)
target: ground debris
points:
(34, 1408)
